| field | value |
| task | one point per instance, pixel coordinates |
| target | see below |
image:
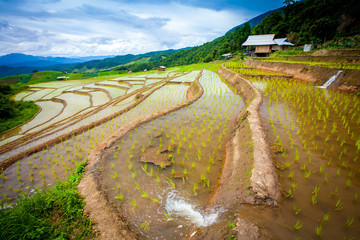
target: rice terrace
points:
(249, 136)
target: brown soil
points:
(317, 58)
(344, 52)
(192, 90)
(158, 156)
(316, 74)
(263, 180)
(106, 219)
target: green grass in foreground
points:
(56, 213)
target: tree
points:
(208, 58)
(288, 2)
(7, 107)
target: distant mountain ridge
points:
(23, 60)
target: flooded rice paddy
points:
(56, 162)
(315, 136)
(168, 201)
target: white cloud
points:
(86, 28)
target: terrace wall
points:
(263, 181)
(349, 79)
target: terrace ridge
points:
(99, 209)
(263, 181)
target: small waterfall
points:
(331, 80)
(175, 206)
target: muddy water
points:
(56, 162)
(318, 166)
(154, 201)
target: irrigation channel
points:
(315, 136)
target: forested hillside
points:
(313, 21)
(123, 59)
(310, 21)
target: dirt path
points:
(246, 148)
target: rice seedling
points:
(195, 188)
(339, 205)
(133, 203)
(349, 222)
(119, 197)
(325, 218)
(145, 226)
(298, 225)
(171, 183)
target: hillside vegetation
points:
(13, 113)
(331, 23)
(310, 21)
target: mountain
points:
(23, 60)
(123, 59)
(310, 21)
(17, 63)
(8, 71)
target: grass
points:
(44, 76)
(20, 78)
(192, 67)
(14, 112)
(25, 111)
(51, 213)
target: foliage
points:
(13, 113)
(313, 21)
(121, 60)
(44, 76)
(21, 78)
(49, 214)
(7, 89)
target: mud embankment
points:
(329, 59)
(348, 80)
(106, 220)
(344, 52)
(248, 175)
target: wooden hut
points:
(161, 68)
(266, 44)
(262, 43)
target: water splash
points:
(176, 206)
(331, 80)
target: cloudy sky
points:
(116, 27)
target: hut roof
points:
(257, 40)
(283, 41)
